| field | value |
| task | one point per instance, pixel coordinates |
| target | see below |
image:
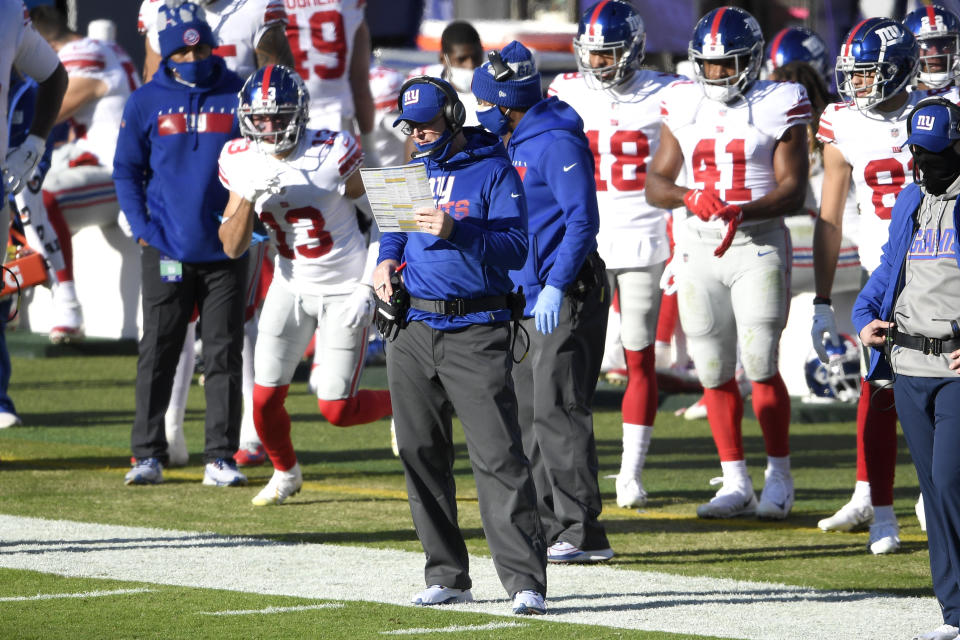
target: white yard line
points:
(457, 628)
(85, 594)
(250, 612)
(594, 595)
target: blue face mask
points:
(494, 120)
(195, 73)
(438, 148)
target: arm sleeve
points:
(391, 246)
(34, 56)
(502, 240)
(131, 166)
(576, 192)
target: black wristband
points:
(819, 300)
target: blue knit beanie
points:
(520, 91)
(182, 26)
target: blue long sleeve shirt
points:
(483, 194)
(165, 167)
(552, 155)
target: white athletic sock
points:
(781, 465)
(65, 292)
(735, 474)
(883, 515)
(861, 493)
(248, 432)
(181, 380)
(636, 442)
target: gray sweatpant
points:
(432, 374)
(555, 384)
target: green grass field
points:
(68, 463)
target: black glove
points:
(391, 316)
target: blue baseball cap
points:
(934, 127)
(422, 101)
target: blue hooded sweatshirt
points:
(165, 167)
(552, 155)
(483, 194)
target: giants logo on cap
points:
(412, 96)
(191, 37)
(925, 122)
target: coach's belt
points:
(748, 230)
(460, 306)
(929, 346)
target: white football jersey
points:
(467, 98)
(321, 35)
(624, 131)
(388, 140)
(23, 48)
(873, 146)
(320, 249)
(728, 148)
(97, 123)
(237, 25)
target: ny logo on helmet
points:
(889, 35)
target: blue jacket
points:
(479, 189)
(165, 167)
(879, 294)
(554, 160)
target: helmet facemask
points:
(746, 65)
(626, 56)
(939, 60)
(287, 122)
(872, 90)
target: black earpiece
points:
(501, 71)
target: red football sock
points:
(725, 413)
(640, 398)
(877, 442)
(272, 422)
(771, 404)
(667, 320)
(62, 231)
(368, 405)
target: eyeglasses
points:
(407, 128)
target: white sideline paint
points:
(250, 612)
(454, 629)
(593, 595)
(85, 594)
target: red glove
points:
(732, 215)
(703, 204)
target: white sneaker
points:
(177, 455)
(145, 471)
(776, 499)
(884, 537)
(438, 594)
(8, 420)
(529, 603)
(393, 439)
(564, 552)
(921, 514)
(696, 411)
(729, 502)
(68, 324)
(850, 517)
(282, 485)
(223, 473)
(943, 632)
(630, 492)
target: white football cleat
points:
(776, 499)
(921, 514)
(438, 594)
(8, 420)
(282, 485)
(529, 603)
(696, 411)
(943, 632)
(884, 538)
(630, 492)
(730, 502)
(849, 517)
(223, 473)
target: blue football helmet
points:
(722, 34)
(797, 44)
(937, 31)
(877, 60)
(838, 379)
(613, 27)
(274, 94)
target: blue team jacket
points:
(481, 191)
(552, 155)
(879, 294)
(165, 167)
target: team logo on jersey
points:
(412, 96)
(442, 187)
(925, 122)
(191, 37)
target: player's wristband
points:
(819, 300)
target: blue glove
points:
(546, 312)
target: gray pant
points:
(555, 384)
(432, 374)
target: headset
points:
(501, 71)
(935, 101)
(454, 113)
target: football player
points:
(743, 142)
(863, 140)
(252, 34)
(937, 31)
(78, 190)
(300, 183)
(797, 44)
(620, 107)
